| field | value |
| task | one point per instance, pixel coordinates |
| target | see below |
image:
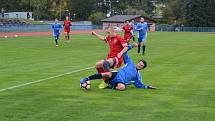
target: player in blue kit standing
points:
(128, 74)
(142, 29)
(133, 31)
(56, 31)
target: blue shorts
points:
(142, 39)
(115, 81)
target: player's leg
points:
(68, 34)
(139, 44)
(97, 76)
(143, 44)
(105, 65)
(56, 39)
(133, 35)
(120, 87)
(99, 66)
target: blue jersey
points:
(142, 29)
(128, 74)
(56, 29)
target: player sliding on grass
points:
(128, 74)
(56, 31)
(67, 24)
(117, 47)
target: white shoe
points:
(56, 45)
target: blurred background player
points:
(56, 31)
(142, 29)
(128, 74)
(67, 24)
(127, 31)
(133, 31)
(117, 46)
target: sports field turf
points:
(181, 65)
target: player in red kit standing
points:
(127, 31)
(117, 46)
(67, 24)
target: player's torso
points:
(127, 73)
(114, 45)
(127, 29)
(56, 28)
(67, 23)
(143, 31)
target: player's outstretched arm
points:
(100, 37)
(139, 84)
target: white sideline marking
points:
(40, 80)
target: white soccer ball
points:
(85, 86)
(5, 36)
(16, 35)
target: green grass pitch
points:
(181, 65)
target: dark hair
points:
(144, 62)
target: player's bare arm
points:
(119, 55)
(100, 37)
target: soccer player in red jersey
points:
(127, 31)
(117, 46)
(67, 24)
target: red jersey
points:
(127, 28)
(67, 24)
(116, 45)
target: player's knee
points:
(120, 87)
(99, 64)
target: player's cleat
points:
(103, 85)
(151, 87)
(84, 80)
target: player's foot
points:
(84, 80)
(151, 87)
(103, 85)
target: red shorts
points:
(67, 30)
(127, 37)
(117, 63)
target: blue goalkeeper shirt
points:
(142, 29)
(56, 29)
(128, 74)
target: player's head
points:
(67, 17)
(56, 20)
(127, 22)
(141, 64)
(110, 31)
(132, 20)
(141, 19)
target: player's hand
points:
(134, 44)
(93, 33)
(119, 55)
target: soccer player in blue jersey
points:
(142, 29)
(56, 31)
(128, 74)
(133, 31)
